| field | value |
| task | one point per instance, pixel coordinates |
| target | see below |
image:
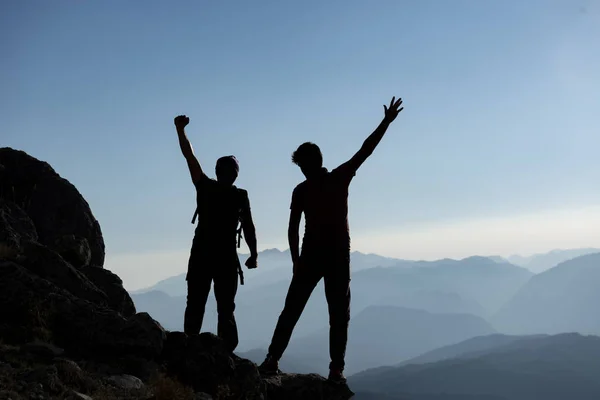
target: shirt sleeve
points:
(345, 172)
(204, 183)
(245, 204)
(297, 199)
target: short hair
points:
(228, 162)
(308, 154)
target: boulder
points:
(118, 298)
(127, 382)
(75, 250)
(49, 265)
(53, 204)
(46, 350)
(204, 363)
(46, 376)
(15, 226)
(301, 387)
(35, 308)
(74, 395)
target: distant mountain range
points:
(274, 266)
(557, 367)
(404, 309)
(476, 286)
(541, 262)
(562, 299)
(381, 335)
(470, 348)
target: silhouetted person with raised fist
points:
(213, 259)
(323, 198)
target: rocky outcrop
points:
(35, 308)
(70, 330)
(300, 387)
(49, 227)
(15, 227)
(204, 363)
(118, 298)
(54, 205)
(47, 264)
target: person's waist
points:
(216, 238)
(327, 241)
(328, 233)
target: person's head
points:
(309, 158)
(227, 170)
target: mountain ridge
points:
(553, 368)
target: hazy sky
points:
(496, 151)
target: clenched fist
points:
(252, 262)
(181, 121)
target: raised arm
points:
(293, 231)
(373, 140)
(196, 172)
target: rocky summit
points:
(69, 330)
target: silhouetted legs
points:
(336, 270)
(226, 283)
(302, 285)
(337, 292)
(198, 289)
(201, 274)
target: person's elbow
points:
(251, 229)
(248, 224)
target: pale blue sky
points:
(500, 121)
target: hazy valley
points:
(416, 312)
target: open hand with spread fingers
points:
(392, 111)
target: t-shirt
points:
(324, 200)
(219, 209)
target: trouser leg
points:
(337, 292)
(226, 284)
(198, 289)
(301, 287)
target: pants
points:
(201, 273)
(335, 269)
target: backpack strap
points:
(239, 241)
(239, 236)
(241, 274)
(195, 215)
(240, 271)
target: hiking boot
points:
(269, 367)
(337, 376)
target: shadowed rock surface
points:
(69, 330)
(54, 205)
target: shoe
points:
(337, 376)
(269, 367)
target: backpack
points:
(238, 233)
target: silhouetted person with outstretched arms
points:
(213, 259)
(323, 198)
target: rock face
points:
(15, 226)
(54, 205)
(118, 298)
(70, 330)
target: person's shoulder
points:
(241, 192)
(300, 187)
(344, 171)
(204, 180)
